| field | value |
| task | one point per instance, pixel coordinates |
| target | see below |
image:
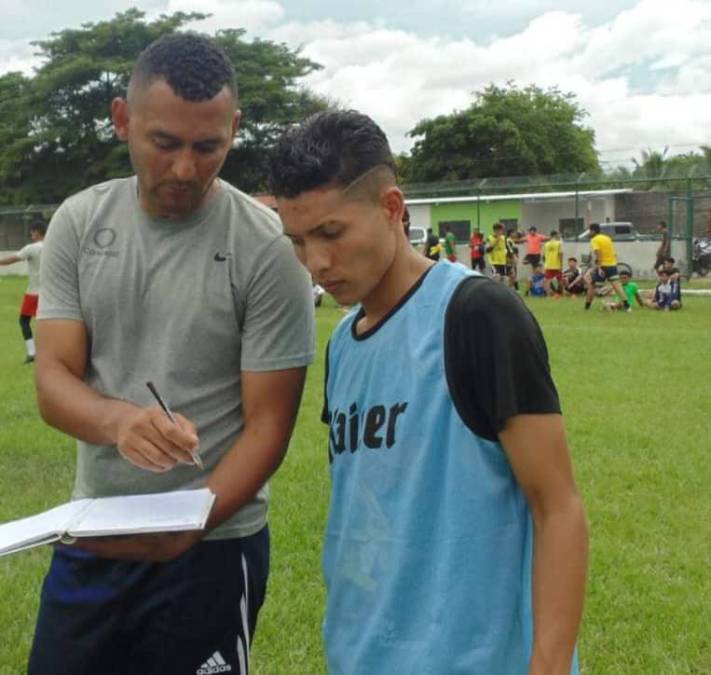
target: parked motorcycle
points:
(701, 257)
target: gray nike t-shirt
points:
(187, 304)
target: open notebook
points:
(106, 516)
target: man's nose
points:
(184, 167)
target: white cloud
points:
(400, 78)
(252, 15)
(17, 55)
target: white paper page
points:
(161, 512)
(40, 529)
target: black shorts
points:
(501, 270)
(194, 615)
(533, 258)
(608, 274)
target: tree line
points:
(56, 135)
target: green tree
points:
(506, 131)
(14, 134)
(64, 138)
(270, 100)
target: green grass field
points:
(636, 392)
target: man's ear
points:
(393, 203)
(235, 123)
(120, 117)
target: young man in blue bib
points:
(456, 540)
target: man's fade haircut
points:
(194, 67)
(333, 148)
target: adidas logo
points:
(215, 664)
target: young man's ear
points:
(393, 202)
(120, 117)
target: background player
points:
(32, 254)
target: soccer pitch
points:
(636, 394)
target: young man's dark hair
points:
(595, 227)
(38, 226)
(195, 68)
(572, 258)
(670, 260)
(333, 148)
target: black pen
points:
(197, 460)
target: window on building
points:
(570, 227)
(461, 229)
(509, 223)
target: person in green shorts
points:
(450, 242)
(632, 294)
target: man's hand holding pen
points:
(152, 441)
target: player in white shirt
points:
(31, 254)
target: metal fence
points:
(681, 198)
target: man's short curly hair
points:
(330, 148)
(193, 66)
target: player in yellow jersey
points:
(496, 248)
(553, 264)
(604, 260)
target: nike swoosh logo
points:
(219, 258)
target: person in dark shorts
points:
(174, 276)
(512, 257)
(432, 246)
(477, 250)
(604, 270)
(534, 243)
(498, 253)
(664, 246)
(573, 280)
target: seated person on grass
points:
(631, 291)
(666, 293)
(536, 284)
(573, 280)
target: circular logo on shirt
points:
(104, 237)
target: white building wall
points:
(545, 215)
(420, 215)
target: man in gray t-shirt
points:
(175, 277)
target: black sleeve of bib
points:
(324, 410)
(496, 361)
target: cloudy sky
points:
(641, 68)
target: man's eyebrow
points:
(165, 136)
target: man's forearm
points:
(559, 573)
(246, 467)
(72, 406)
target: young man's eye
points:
(295, 241)
(331, 234)
(206, 148)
